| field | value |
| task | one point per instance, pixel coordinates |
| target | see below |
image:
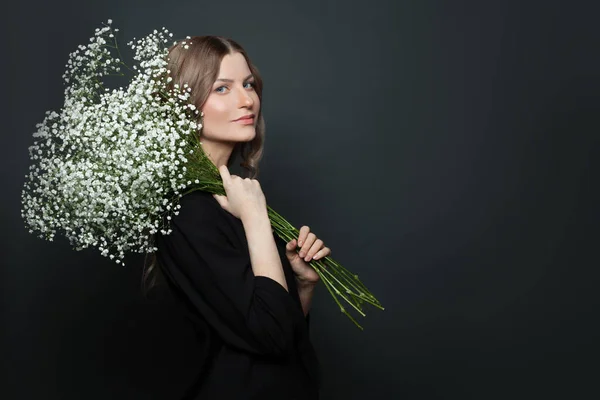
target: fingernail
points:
(300, 243)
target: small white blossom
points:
(108, 168)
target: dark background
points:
(444, 151)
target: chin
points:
(251, 136)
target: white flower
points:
(109, 165)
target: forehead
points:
(234, 66)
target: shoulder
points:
(198, 203)
(197, 196)
(197, 208)
(201, 208)
(202, 221)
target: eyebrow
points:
(231, 80)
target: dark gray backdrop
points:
(442, 150)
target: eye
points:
(248, 83)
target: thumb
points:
(291, 245)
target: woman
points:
(247, 292)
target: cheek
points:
(256, 101)
(216, 112)
(215, 106)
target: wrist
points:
(254, 217)
(305, 285)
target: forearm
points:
(306, 293)
(264, 256)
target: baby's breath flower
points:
(107, 169)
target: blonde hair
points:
(199, 66)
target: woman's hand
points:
(310, 246)
(244, 196)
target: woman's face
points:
(232, 96)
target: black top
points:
(254, 333)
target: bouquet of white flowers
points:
(112, 165)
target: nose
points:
(246, 99)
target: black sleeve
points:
(251, 313)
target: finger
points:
(308, 242)
(302, 235)
(324, 252)
(224, 173)
(291, 245)
(220, 199)
(317, 245)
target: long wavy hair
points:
(199, 66)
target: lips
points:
(249, 116)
